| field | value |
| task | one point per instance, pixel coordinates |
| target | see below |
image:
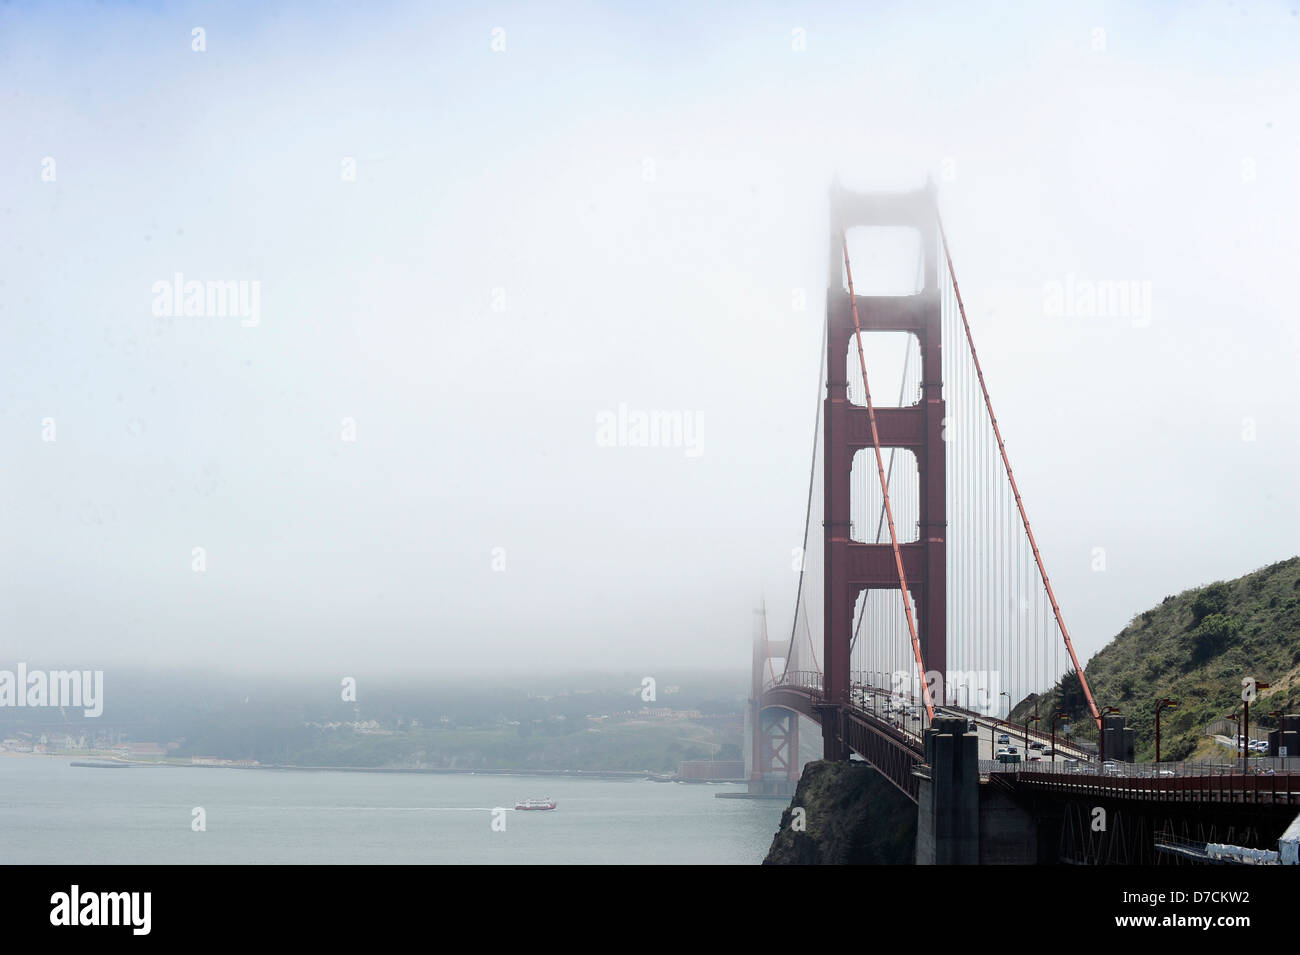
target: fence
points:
(1221, 727)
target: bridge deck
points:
(899, 754)
(896, 754)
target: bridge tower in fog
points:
(773, 730)
(852, 567)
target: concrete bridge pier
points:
(948, 804)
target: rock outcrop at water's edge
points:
(851, 815)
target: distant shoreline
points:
(432, 771)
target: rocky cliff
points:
(850, 815)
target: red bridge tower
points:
(852, 567)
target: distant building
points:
(667, 713)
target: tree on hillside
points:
(1069, 693)
(1213, 599)
(1215, 633)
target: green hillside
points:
(1194, 647)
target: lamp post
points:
(1028, 720)
(1246, 697)
(1055, 716)
(1101, 735)
(1236, 732)
(1161, 704)
(1008, 696)
(993, 735)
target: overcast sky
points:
(480, 236)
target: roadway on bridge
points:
(874, 701)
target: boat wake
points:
(385, 808)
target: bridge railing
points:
(1118, 770)
(1272, 781)
(805, 679)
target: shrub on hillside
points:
(1212, 600)
(1213, 635)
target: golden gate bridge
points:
(925, 611)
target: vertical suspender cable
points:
(807, 514)
(766, 649)
(1038, 558)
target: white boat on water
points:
(535, 804)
